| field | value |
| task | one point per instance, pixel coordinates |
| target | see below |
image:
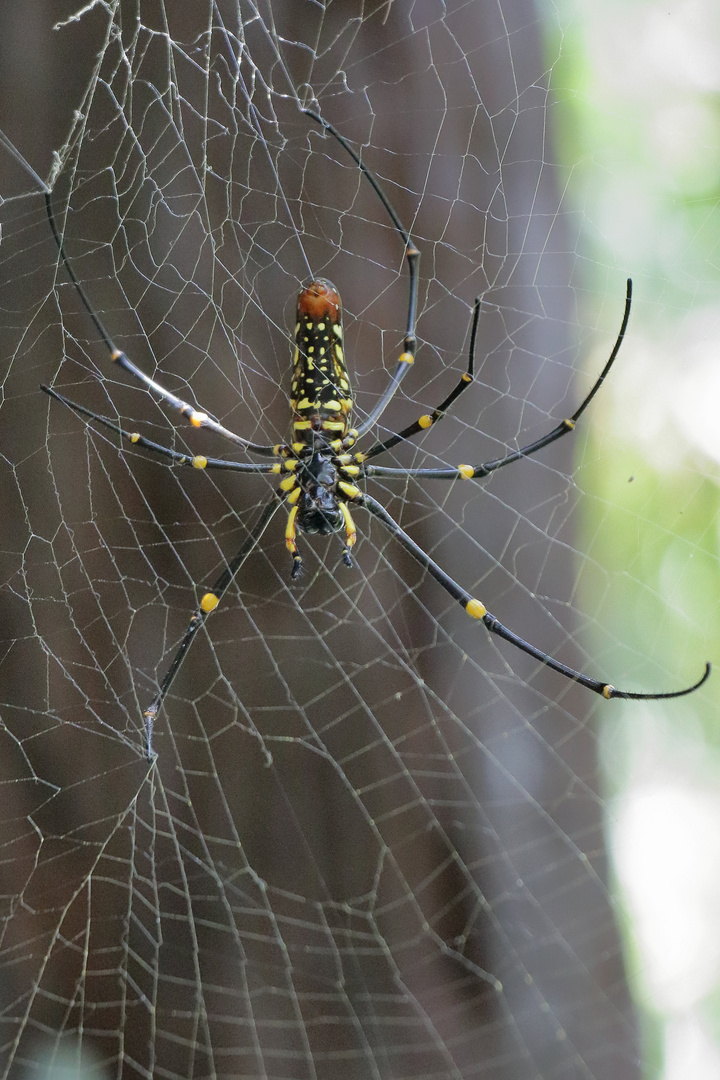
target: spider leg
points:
(198, 461)
(475, 472)
(350, 532)
(208, 603)
(427, 421)
(477, 610)
(412, 255)
(196, 417)
(291, 538)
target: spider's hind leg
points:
(477, 610)
(428, 419)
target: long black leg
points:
(477, 610)
(427, 421)
(475, 472)
(197, 417)
(208, 603)
(198, 461)
(413, 258)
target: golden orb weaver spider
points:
(320, 475)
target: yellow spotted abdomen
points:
(321, 397)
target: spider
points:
(319, 470)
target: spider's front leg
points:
(477, 472)
(197, 461)
(412, 257)
(197, 417)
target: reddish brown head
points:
(319, 300)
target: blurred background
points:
(639, 84)
(373, 844)
(640, 88)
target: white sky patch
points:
(666, 394)
(667, 855)
(690, 1050)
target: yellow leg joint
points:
(476, 609)
(197, 419)
(290, 531)
(199, 462)
(608, 691)
(466, 471)
(351, 536)
(425, 421)
(349, 526)
(406, 358)
(209, 602)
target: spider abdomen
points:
(321, 397)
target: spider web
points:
(373, 841)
